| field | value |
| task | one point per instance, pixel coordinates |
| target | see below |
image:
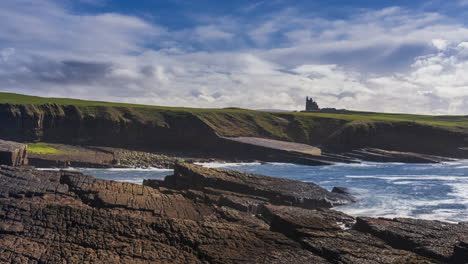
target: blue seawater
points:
(426, 191)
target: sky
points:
(385, 56)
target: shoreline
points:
(367, 209)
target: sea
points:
(424, 191)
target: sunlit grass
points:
(43, 148)
(230, 121)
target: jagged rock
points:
(345, 191)
(12, 153)
(433, 239)
(328, 234)
(76, 218)
(276, 190)
(68, 217)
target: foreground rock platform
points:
(217, 217)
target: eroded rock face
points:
(12, 153)
(68, 217)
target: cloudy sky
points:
(363, 54)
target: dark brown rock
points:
(433, 239)
(276, 190)
(12, 153)
(71, 217)
(68, 217)
(328, 234)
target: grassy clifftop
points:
(312, 128)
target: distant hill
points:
(273, 110)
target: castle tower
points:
(311, 105)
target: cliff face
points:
(104, 126)
(197, 131)
(399, 136)
(220, 217)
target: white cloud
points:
(41, 26)
(388, 60)
(440, 44)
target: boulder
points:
(12, 153)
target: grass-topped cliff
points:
(94, 122)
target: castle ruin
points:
(311, 105)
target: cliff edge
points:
(205, 132)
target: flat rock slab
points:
(277, 190)
(277, 144)
(13, 153)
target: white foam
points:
(362, 164)
(406, 183)
(283, 164)
(135, 181)
(409, 177)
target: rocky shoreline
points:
(201, 215)
(108, 157)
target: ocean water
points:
(128, 175)
(426, 191)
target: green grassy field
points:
(235, 121)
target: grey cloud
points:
(147, 70)
(341, 95)
(71, 72)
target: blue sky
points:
(394, 56)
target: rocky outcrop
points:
(399, 137)
(381, 155)
(275, 190)
(438, 240)
(13, 154)
(68, 217)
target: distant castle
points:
(311, 105)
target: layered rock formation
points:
(202, 215)
(12, 153)
(204, 133)
(65, 156)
